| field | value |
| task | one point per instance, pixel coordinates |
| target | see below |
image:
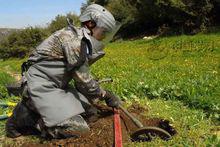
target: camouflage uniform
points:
(65, 55)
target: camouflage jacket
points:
(71, 47)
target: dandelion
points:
(171, 118)
(214, 72)
(141, 83)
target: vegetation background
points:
(139, 18)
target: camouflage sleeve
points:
(73, 52)
(85, 83)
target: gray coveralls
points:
(64, 56)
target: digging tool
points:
(117, 129)
(145, 133)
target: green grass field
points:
(177, 78)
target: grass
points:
(160, 69)
(6, 67)
(177, 78)
(192, 125)
(11, 65)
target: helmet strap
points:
(90, 24)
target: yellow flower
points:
(214, 72)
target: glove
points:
(111, 100)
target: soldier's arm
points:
(74, 54)
(85, 83)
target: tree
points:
(20, 43)
(60, 22)
(181, 16)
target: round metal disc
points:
(149, 133)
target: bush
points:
(60, 22)
(19, 43)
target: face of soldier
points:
(99, 33)
(104, 35)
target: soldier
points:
(49, 105)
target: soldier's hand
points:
(111, 99)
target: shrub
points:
(20, 43)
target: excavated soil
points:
(101, 132)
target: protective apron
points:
(47, 83)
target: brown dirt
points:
(102, 130)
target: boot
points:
(21, 122)
(11, 129)
(70, 128)
(57, 133)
